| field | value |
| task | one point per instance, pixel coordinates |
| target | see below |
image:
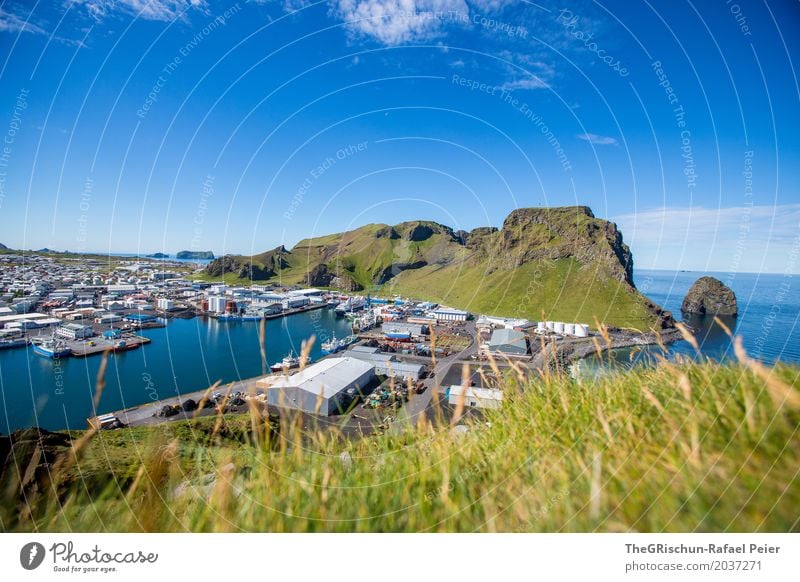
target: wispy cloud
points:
(595, 139)
(12, 23)
(527, 83)
(164, 10)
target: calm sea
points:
(192, 354)
(768, 321)
(187, 355)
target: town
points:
(401, 352)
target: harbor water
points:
(186, 355)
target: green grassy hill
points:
(548, 263)
(678, 448)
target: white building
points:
(75, 331)
(166, 304)
(217, 303)
(446, 314)
(320, 388)
(475, 397)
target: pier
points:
(98, 345)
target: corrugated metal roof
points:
(327, 377)
(505, 336)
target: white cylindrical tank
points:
(551, 325)
(559, 327)
(541, 326)
(581, 330)
(569, 328)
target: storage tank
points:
(551, 325)
(541, 326)
(581, 330)
(559, 327)
(569, 328)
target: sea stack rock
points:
(710, 296)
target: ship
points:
(123, 346)
(288, 363)
(13, 343)
(351, 304)
(336, 345)
(228, 317)
(51, 347)
(364, 322)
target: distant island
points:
(195, 255)
(157, 256)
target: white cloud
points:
(394, 22)
(528, 83)
(733, 239)
(12, 23)
(164, 10)
(595, 139)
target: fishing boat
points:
(364, 322)
(13, 343)
(336, 345)
(123, 346)
(354, 303)
(288, 363)
(228, 317)
(51, 347)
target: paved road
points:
(418, 403)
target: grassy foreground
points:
(686, 447)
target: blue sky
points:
(136, 125)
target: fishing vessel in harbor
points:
(334, 345)
(51, 347)
(13, 343)
(350, 305)
(365, 322)
(288, 363)
(123, 346)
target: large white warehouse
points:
(320, 388)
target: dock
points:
(97, 345)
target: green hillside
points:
(556, 263)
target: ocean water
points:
(768, 320)
(187, 355)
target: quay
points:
(84, 348)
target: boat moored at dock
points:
(51, 347)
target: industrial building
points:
(75, 331)
(445, 314)
(401, 329)
(508, 341)
(320, 388)
(217, 303)
(387, 364)
(475, 397)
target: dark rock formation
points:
(195, 255)
(319, 276)
(157, 256)
(710, 296)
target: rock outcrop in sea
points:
(710, 296)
